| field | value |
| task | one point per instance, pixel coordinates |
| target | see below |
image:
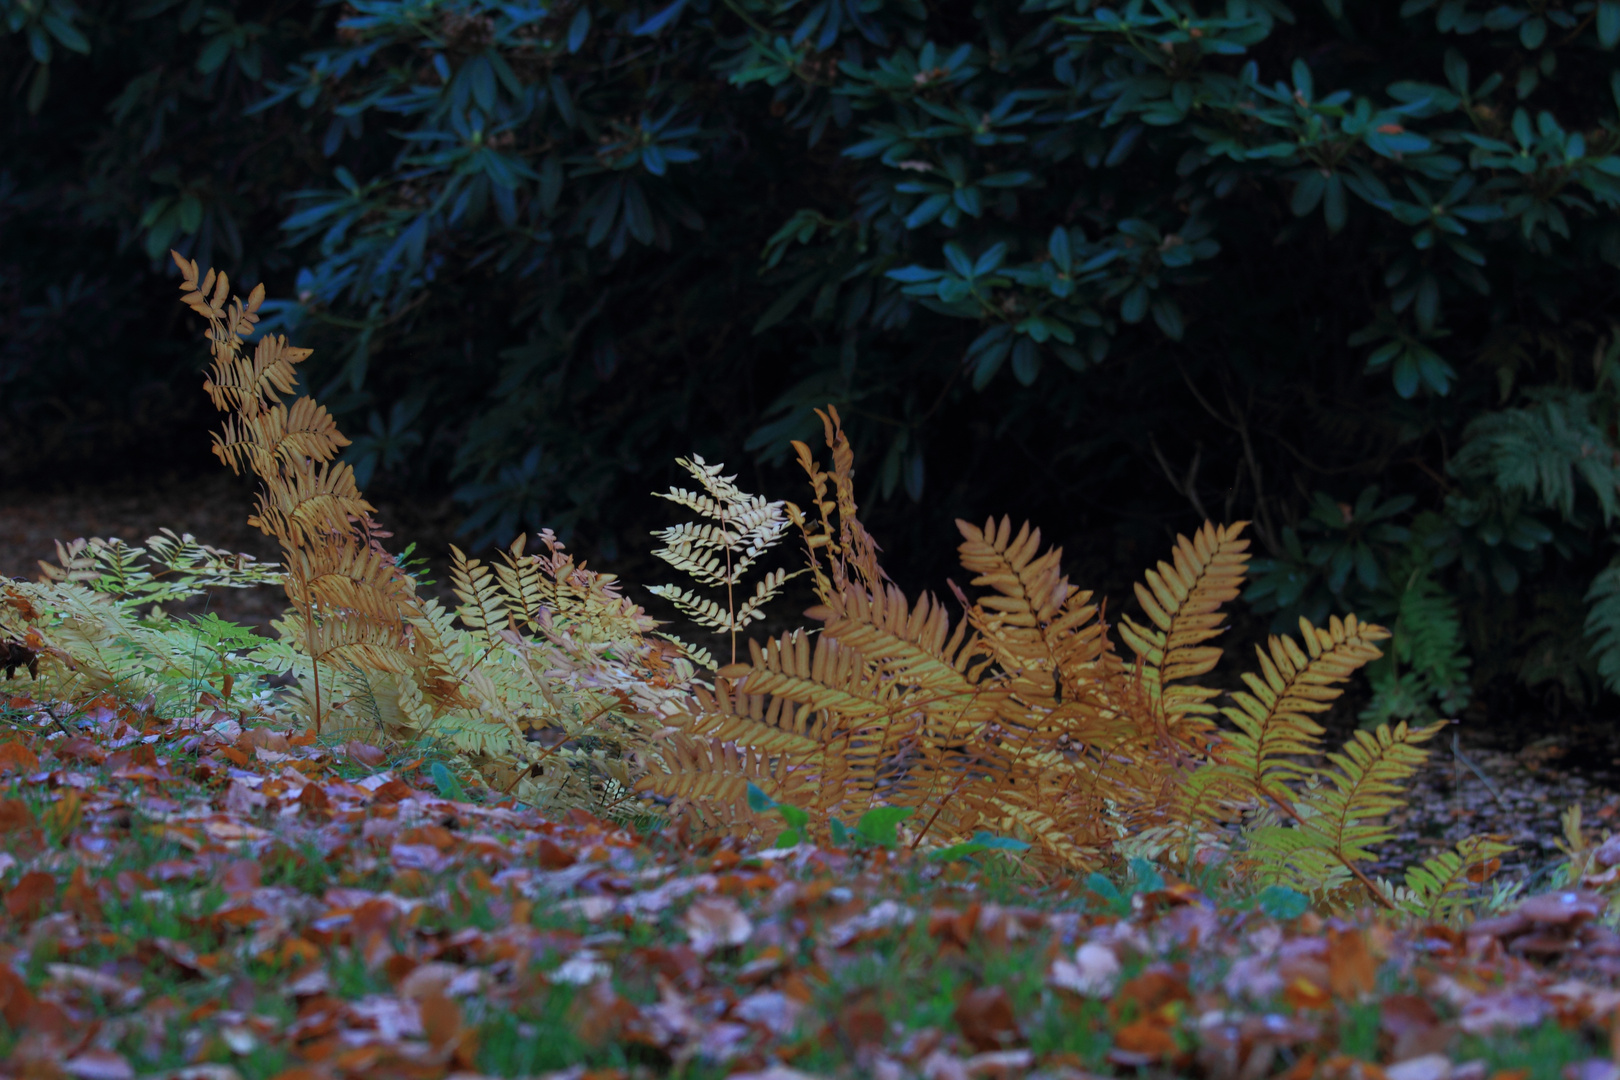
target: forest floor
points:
(185, 898)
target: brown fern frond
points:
(1183, 602)
(710, 778)
(838, 529)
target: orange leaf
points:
(15, 757)
(553, 856)
(1148, 993)
(15, 998)
(1351, 970)
(1146, 1036)
(82, 897)
(14, 815)
(441, 1019)
(1301, 993)
(314, 799)
(362, 753)
(31, 894)
(986, 1019)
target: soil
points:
(1512, 776)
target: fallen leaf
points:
(1351, 970)
(15, 757)
(33, 890)
(985, 1018)
(1094, 971)
(714, 922)
(99, 1065)
(441, 1019)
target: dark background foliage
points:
(1346, 270)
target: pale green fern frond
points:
(1441, 887)
(719, 552)
(1273, 718)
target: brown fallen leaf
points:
(985, 1018)
(713, 922)
(1351, 970)
(32, 892)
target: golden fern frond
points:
(309, 503)
(826, 676)
(838, 530)
(354, 582)
(913, 643)
(1273, 722)
(1183, 603)
(257, 442)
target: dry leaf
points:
(985, 1018)
(716, 922)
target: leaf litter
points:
(196, 899)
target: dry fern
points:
(1021, 719)
(545, 680)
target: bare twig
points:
(1188, 487)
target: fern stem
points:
(731, 603)
(314, 660)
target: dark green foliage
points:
(1341, 269)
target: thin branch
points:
(1188, 488)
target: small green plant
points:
(878, 827)
(797, 820)
(981, 842)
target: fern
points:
(1603, 624)
(1441, 887)
(1543, 451)
(1020, 719)
(1336, 819)
(718, 553)
(1183, 602)
(1274, 730)
(1428, 643)
(538, 645)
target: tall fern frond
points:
(1183, 602)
